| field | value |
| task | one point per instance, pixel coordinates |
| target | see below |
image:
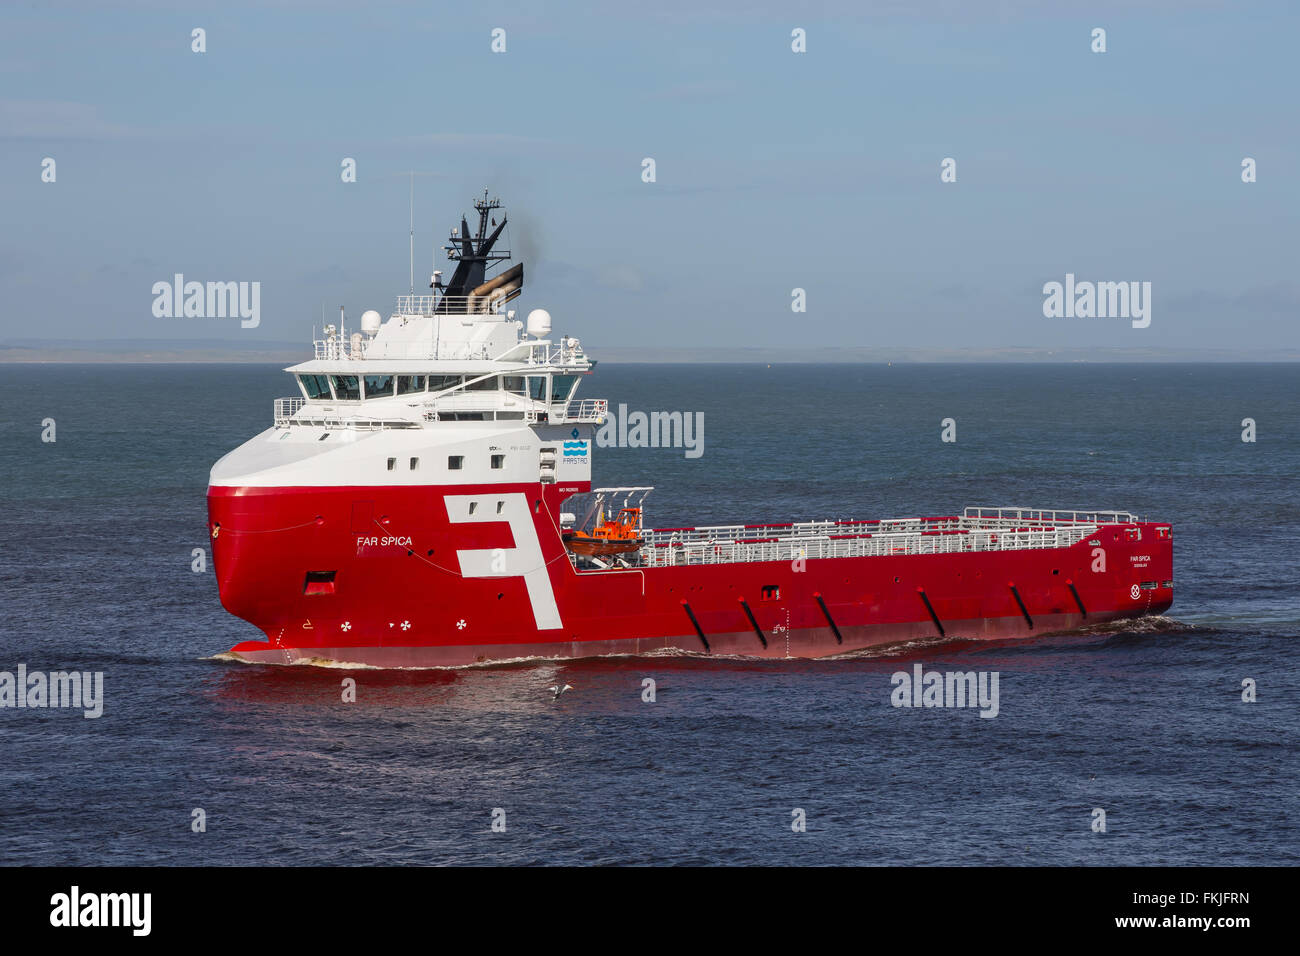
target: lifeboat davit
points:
(618, 536)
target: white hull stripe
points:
(523, 560)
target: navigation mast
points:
(473, 253)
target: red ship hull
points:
(378, 576)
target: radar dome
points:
(370, 321)
(539, 323)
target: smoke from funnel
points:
(525, 239)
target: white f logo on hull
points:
(525, 555)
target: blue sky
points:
(775, 170)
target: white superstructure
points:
(449, 390)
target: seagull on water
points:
(556, 690)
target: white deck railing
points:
(587, 411)
(428, 305)
(567, 351)
(666, 549)
(286, 408)
(1051, 517)
(290, 411)
(336, 349)
(590, 410)
(977, 529)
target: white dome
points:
(371, 321)
(539, 323)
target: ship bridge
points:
(457, 354)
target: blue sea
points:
(1145, 722)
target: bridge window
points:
(562, 387)
(438, 383)
(537, 388)
(455, 462)
(406, 384)
(347, 388)
(489, 384)
(513, 384)
(379, 386)
(315, 387)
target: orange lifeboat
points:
(617, 536)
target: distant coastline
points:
(132, 352)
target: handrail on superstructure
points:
(289, 411)
(431, 305)
(286, 408)
(588, 411)
(592, 411)
(338, 349)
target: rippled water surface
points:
(1145, 722)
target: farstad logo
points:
(575, 448)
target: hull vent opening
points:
(318, 582)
